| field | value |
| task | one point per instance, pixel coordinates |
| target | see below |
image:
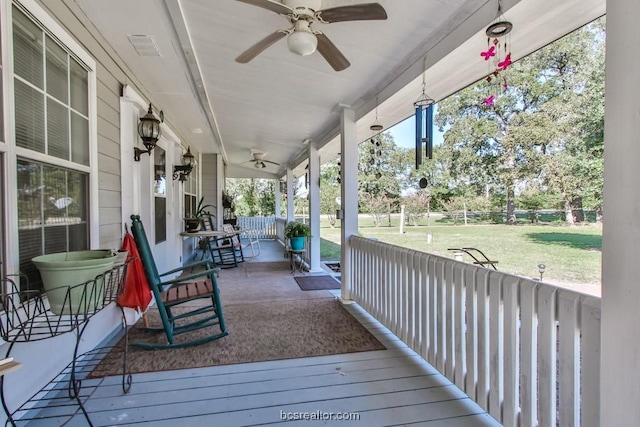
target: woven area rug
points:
(316, 283)
(257, 332)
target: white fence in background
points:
(525, 351)
(264, 225)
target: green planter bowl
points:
(62, 270)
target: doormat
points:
(317, 283)
(333, 266)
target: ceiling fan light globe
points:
(302, 43)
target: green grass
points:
(571, 254)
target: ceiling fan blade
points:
(269, 161)
(331, 53)
(259, 47)
(356, 12)
(271, 5)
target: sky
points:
(404, 133)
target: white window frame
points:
(12, 152)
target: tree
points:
(545, 127)
(416, 206)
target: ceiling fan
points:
(304, 40)
(259, 162)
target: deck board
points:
(390, 387)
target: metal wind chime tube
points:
(424, 103)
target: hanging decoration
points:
(497, 56)
(424, 109)
(375, 150)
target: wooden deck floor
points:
(384, 388)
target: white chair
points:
(251, 239)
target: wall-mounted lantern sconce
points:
(149, 131)
(183, 171)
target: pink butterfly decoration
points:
(507, 61)
(489, 53)
(489, 100)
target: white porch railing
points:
(525, 351)
(264, 225)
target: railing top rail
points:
(358, 241)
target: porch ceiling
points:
(279, 99)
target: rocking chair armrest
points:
(184, 267)
(189, 277)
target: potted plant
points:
(297, 233)
(60, 271)
(192, 224)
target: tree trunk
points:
(511, 207)
(577, 210)
(568, 213)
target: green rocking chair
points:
(171, 294)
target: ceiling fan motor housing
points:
(299, 6)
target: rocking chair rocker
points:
(170, 294)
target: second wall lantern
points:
(183, 171)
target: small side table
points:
(296, 265)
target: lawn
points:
(571, 254)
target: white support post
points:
(314, 207)
(349, 195)
(219, 187)
(620, 342)
(290, 211)
(278, 196)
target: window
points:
(52, 212)
(160, 193)
(51, 103)
(51, 94)
(191, 193)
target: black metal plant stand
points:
(29, 318)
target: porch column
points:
(278, 196)
(290, 212)
(620, 335)
(220, 185)
(314, 208)
(349, 195)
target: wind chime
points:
(497, 56)
(424, 111)
(375, 149)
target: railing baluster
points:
(590, 351)
(433, 311)
(496, 346)
(547, 355)
(511, 404)
(569, 357)
(449, 327)
(528, 353)
(415, 302)
(459, 341)
(441, 322)
(471, 333)
(424, 307)
(482, 396)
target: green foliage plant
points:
(296, 229)
(202, 209)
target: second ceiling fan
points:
(304, 40)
